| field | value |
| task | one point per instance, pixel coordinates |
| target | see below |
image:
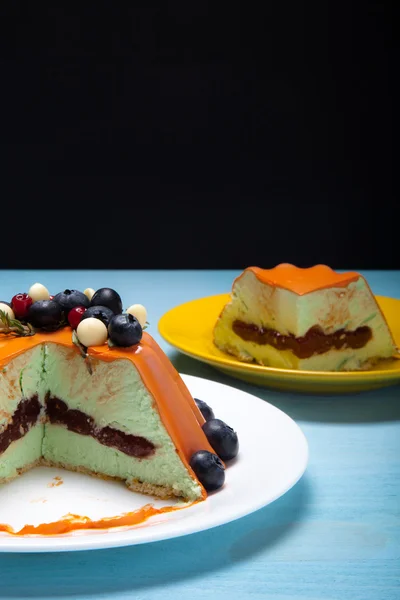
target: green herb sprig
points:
(13, 326)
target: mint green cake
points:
(121, 413)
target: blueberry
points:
(222, 438)
(99, 312)
(69, 299)
(45, 314)
(205, 410)
(107, 297)
(125, 330)
(209, 469)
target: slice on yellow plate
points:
(312, 319)
(190, 326)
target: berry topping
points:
(89, 293)
(107, 297)
(37, 291)
(138, 311)
(45, 314)
(205, 410)
(6, 308)
(21, 304)
(69, 299)
(99, 312)
(209, 469)
(125, 330)
(222, 438)
(75, 316)
(91, 332)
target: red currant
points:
(20, 304)
(75, 316)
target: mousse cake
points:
(85, 388)
(309, 319)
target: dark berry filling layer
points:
(315, 341)
(79, 422)
(57, 411)
(25, 416)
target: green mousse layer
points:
(21, 378)
(163, 469)
(21, 454)
(113, 396)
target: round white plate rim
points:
(170, 528)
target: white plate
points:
(273, 456)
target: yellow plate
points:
(189, 328)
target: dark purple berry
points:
(103, 313)
(209, 469)
(45, 314)
(205, 410)
(222, 438)
(107, 297)
(69, 299)
(125, 330)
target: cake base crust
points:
(21, 470)
(366, 365)
(162, 492)
(150, 489)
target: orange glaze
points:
(302, 281)
(180, 383)
(176, 407)
(75, 522)
(56, 482)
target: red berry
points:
(51, 297)
(20, 304)
(75, 316)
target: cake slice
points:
(122, 413)
(309, 319)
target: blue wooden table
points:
(334, 536)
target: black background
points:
(197, 135)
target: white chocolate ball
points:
(8, 310)
(138, 311)
(92, 332)
(37, 291)
(89, 292)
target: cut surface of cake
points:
(128, 416)
(308, 319)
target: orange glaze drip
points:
(302, 281)
(164, 384)
(56, 482)
(71, 522)
(180, 383)
(176, 407)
